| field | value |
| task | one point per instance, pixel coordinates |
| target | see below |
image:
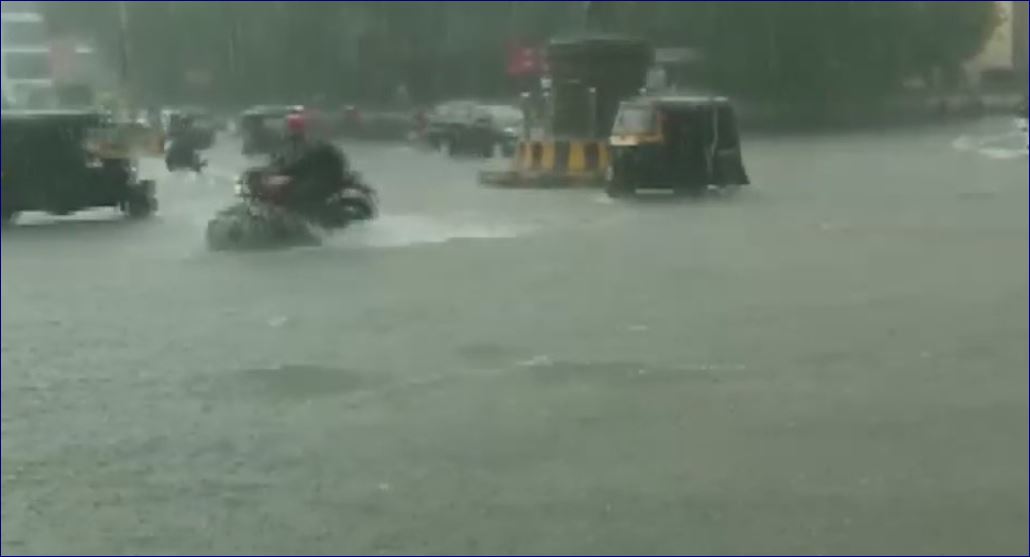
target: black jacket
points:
(318, 170)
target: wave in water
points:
(396, 231)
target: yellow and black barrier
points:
(554, 163)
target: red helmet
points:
(296, 124)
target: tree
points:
(267, 51)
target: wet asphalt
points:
(833, 361)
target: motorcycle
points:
(351, 201)
(260, 221)
(181, 156)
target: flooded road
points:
(833, 361)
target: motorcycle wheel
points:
(224, 234)
(141, 202)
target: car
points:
(444, 121)
(508, 124)
(61, 162)
(466, 127)
(262, 127)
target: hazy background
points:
(261, 51)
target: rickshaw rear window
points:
(634, 120)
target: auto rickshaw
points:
(61, 162)
(685, 145)
(262, 128)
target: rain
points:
(490, 278)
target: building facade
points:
(25, 58)
(1003, 57)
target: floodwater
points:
(834, 361)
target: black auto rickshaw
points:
(681, 144)
(61, 162)
(262, 128)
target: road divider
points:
(553, 163)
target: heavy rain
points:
(514, 278)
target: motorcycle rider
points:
(183, 145)
(314, 170)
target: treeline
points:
(268, 51)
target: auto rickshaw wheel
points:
(140, 207)
(691, 192)
(141, 202)
(728, 191)
(617, 187)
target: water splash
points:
(1002, 146)
(395, 231)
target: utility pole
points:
(588, 15)
(597, 16)
(123, 40)
(123, 51)
(233, 51)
